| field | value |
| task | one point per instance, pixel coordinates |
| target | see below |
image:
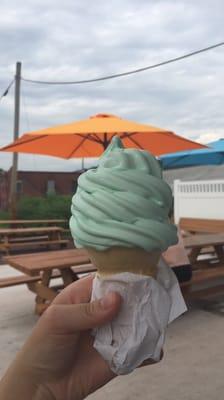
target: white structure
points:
(200, 173)
(199, 199)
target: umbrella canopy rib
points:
(89, 138)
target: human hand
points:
(58, 361)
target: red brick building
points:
(38, 183)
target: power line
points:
(103, 78)
(7, 90)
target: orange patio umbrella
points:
(89, 138)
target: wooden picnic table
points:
(198, 243)
(201, 225)
(39, 269)
(24, 222)
(14, 238)
(65, 264)
(206, 254)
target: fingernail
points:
(108, 300)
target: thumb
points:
(62, 319)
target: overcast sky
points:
(81, 39)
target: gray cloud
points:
(73, 40)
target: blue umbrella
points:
(217, 145)
(211, 156)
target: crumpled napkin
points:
(138, 332)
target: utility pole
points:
(12, 196)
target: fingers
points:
(64, 319)
(92, 366)
(78, 292)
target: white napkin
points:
(138, 332)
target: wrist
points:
(16, 384)
(20, 382)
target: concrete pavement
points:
(192, 368)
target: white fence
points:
(199, 199)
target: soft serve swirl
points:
(123, 202)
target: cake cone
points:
(122, 259)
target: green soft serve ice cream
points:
(123, 202)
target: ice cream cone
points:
(121, 259)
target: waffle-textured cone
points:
(122, 259)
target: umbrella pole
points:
(13, 175)
(106, 141)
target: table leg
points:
(193, 255)
(55, 235)
(220, 253)
(43, 291)
(5, 244)
(44, 294)
(68, 276)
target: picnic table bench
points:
(19, 238)
(40, 268)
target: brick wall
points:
(32, 183)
